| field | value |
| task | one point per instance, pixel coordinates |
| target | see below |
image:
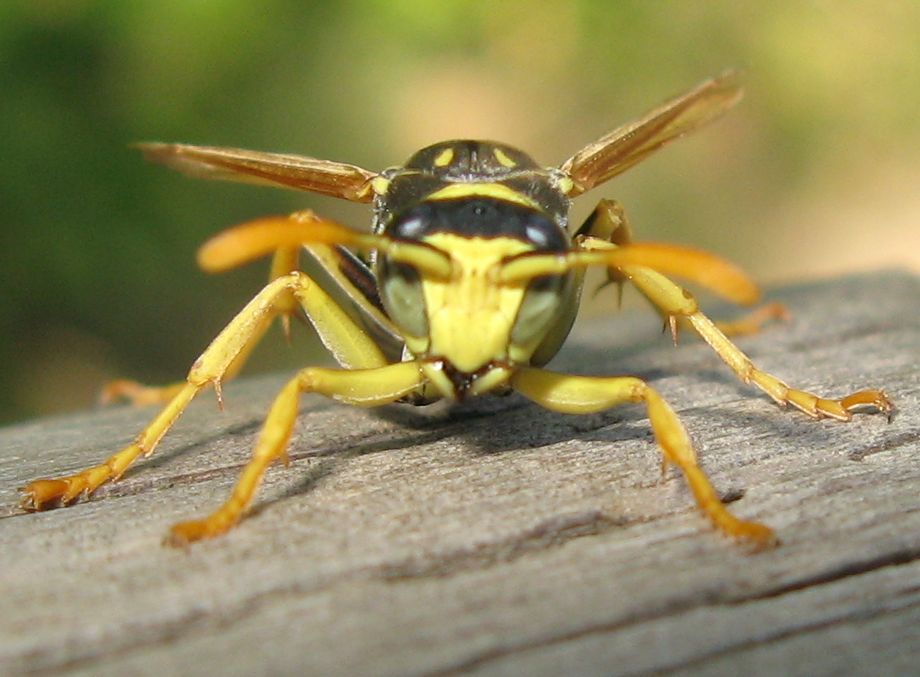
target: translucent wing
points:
(286, 171)
(623, 147)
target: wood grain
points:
(497, 538)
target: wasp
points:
(467, 283)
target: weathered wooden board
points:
(499, 539)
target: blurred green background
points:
(815, 174)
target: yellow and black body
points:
(467, 283)
(480, 203)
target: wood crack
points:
(894, 442)
(775, 637)
(899, 558)
(549, 533)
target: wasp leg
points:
(587, 394)
(349, 345)
(284, 261)
(140, 395)
(137, 393)
(608, 226)
(816, 407)
(753, 322)
(748, 324)
(675, 302)
(365, 388)
(608, 222)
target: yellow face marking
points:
(470, 317)
(494, 190)
(444, 158)
(503, 159)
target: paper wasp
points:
(467, 284)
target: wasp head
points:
(456, 315)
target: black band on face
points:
(479, 217)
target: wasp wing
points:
(623, 147)
(272, 169)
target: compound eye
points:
(541, 305)
(402, 295)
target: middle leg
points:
(350, 346)
(678, 304)
(608, 226)
(285, 304)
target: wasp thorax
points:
(466, 168)
(465, 159)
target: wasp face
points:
(466, 326)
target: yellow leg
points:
(675, 302)
(366, 388)
(586, 394)
(816, 407)
(747, 324)
(139, 394)
(48, 493)
(608, 227)
(284, 261)
(351, 347)
(752, 322)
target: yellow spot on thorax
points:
(444, 158)
(380, 184)
(566, 185)
(503, 158)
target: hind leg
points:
(285, 305)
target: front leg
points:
(588, 394)
(284, 305)
(816, 407)
(365, 388)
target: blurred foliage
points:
(814, 174)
